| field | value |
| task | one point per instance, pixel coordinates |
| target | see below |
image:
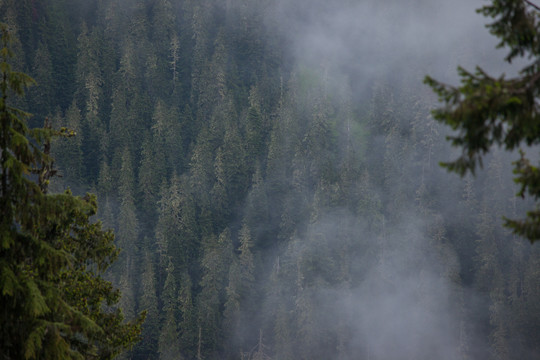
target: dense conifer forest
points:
(270, 171)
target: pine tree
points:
(163, 78)
(257, 212)
(151, 176)
(239, 292)
(221, 205)
(174, 62)
(127, 237)
(149, 303)
(167, 138)
(90, 100)
(235, 161)
(215, 263)
(200, 26)
(52, 255)
(42, 95)
(255, 129)
(177, 228)
(168, 342)
(188, 326)
(281, 294)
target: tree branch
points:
(533, 5)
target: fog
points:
(305, 126)
(404, 298)
(365, 40)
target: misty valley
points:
(270, 170)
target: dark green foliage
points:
(55, 304)
(487, 111)
(262, 202)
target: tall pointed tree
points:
(168, 342)
(127, 236)
(42, 72)
(239, 293)
(149, 302)
(215, 263)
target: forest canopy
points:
(270, 171)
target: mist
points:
(365, 40)
(271, 171)
(404, 295)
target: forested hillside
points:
(270, 170)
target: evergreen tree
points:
(167, 138)
(150, 176)
(60, 37)
(255, 130)
(148, 346)
(200, 28)
(215, 262)
(163, 77)
(221, 210)
(168, 343)
(52, 295)
(90, 99)
(127, 237)
(489, 111)
(42, 72)
(239, 293)
(190, 328)
(327, 193)
(234, 158)
(174, 62)
(256, 210)
(281, 291)
(177, 228)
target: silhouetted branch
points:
(533, 5)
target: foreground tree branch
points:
(486, 111)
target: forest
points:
(270, 170)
